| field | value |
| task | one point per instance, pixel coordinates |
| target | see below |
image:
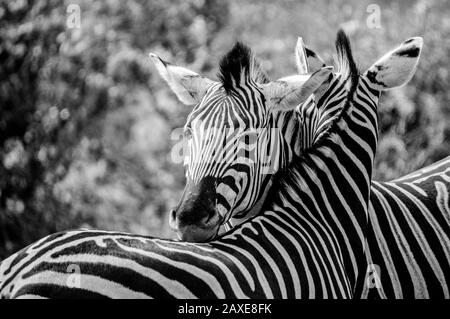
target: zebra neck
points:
(328, 187)
(255, 210)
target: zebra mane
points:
(347, 67)
(240, 64)
(345, 62)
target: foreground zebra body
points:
(248, 264)
(301, 245)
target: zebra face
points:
(229, 133)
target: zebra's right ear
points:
(313, 61)
(287, 93)
(188, 86)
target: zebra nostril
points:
(205, 220)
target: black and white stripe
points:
(307, 242)
(409, 234)
(284, 252)
(408, 237)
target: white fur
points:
(188, 86)
(393, 70)
(286, 93)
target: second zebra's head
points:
(231, 137)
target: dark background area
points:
(86, 122)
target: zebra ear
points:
(313, 61)
(287, 93)
(188, 86)
(397, 66)
(300, 57)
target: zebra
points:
(283, 252)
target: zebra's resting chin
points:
(203, 230)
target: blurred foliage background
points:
(86, 123)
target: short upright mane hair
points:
(346, 63)
(237, 62)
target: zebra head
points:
(231, 136)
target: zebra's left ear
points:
(306, 59)
(188, 86)
(396, 67)
(287, 93)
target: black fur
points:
(346, 63)
(240, 59)
(348, 66)
(310, 53)
(410, 53)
